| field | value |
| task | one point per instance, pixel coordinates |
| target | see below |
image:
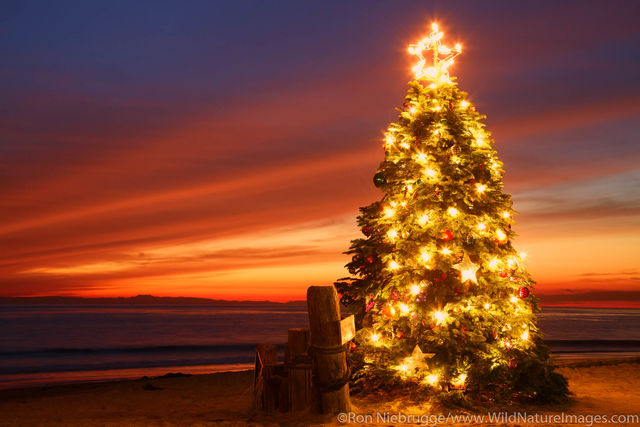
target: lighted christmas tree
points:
(442, 298)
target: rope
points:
(338, 383)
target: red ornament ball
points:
(447, 235)
(523, 292)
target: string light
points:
(404, 308)
(487, 306)
(506, 214)
(375, 338)
(460, 380)
(440, 316)
(423, 219)
(464, 104)
(431, 173)
(394, 265)
(443, 57)
(480, 188)
(415, 289)
(425, 255)
(421, 157)
(392, 234)
(453, 211)
(445, 251)
(482, 226)
(513, 299)
(389, 212)
(432, 379)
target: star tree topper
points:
(442, 57)
(467, 269)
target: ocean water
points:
(49, 344)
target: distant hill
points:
(137, 300)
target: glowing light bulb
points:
(445, 251)
(404, 308)
(506, 214)
(453, 211)
(525, 335)
(394, 265)
(523, 255)
(460, 380)
(502, 237)
(437, 108)
(426, 256)
(421, 158)
(481, 226)
(392, 234)
(423, 219)
(432, 379)
(481, 188)
(440, 316)
(389, 212)
(375, 338)
(464, 104)
(487, 306)
(431, 173)
(415, 289)
(513, 299)
(405, 145)
(434, 26)
(390, 139)
(412, 110)
(403, 368)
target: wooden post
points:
(331, 376)
(266, 359)
(298, 369)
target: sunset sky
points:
(222, 149)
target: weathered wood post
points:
(266, 358)
(298, 364)
(330, 371)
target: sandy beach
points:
(600, 387)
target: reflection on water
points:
(43, 344)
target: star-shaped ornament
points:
(442, 57)
(467, 269)
(417, 359)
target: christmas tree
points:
(441, 297)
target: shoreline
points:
(48, 379)
(600, 386)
